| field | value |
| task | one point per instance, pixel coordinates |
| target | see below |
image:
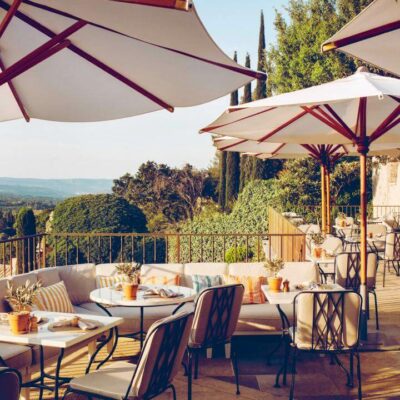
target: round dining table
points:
(109, 297)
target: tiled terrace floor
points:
(316, 379)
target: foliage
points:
(232, 178)
(42, 219)
(261, 88)
(238, 254)
(222, 180)
(317, 238)
(157, 188)
(25, 223)
(130, 271)
(274, 266)
(23, 296)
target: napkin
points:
(161, 292)
(75, 321)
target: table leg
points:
(141, 327)
(57, 382)
(285, 325)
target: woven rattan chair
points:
(347, 269)
(215, 318)
(159, 362)
(327, 322)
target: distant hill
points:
(52, 188)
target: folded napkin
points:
(161, 292)
(84, 324)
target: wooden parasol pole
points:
(328, 199)
(323, 196)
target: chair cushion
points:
(48, 276)
(79, 280)
(15, 355)
(131, 315)
(111, 382)
(54, 298)
(201, 282)
(253, 293)
(210, 269)
(262, 318)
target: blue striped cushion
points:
(201, 282)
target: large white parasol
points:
(92, 60)
(372, 36)
(358, 110)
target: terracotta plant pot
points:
(317, 252)
(275, 283)
(130, 290)
(19, 322)
(343, 223)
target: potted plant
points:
(274, 266)
(131, 273)
(21, 300)
(317, 239)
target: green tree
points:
(222, 180)
(25, 225)
(261, 88)
(232, 163)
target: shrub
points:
(238, 254)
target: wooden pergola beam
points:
(9, 15)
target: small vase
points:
(130, 290)
(317, 252)
(275, 283)
(19, 322)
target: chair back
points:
(326, 320)
(392, 247)
(332, 245)
(162, 354)
(10, 383)
(216, 314)
(376, 229)
(347, 270)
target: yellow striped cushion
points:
(54, 298)
(109, 281)
(160, 280)
(252, 288)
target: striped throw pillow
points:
(252, 288)
(201, 282)
(160, 280)
(110, 281)
(54, 298)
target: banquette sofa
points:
(80, 280)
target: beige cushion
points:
(210, 269)
(19, 280)
(54, 298)
(168, 270)
(131, 315)
(248, 269)
(48, 276)
(304, 317)
(262, 318)
(15, 355)
(106, 269)
(4, 306)
(206, 318)
(79, 280)
(103, 281)
(299, 272)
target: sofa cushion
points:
(48, 276)
(210, 269)
(299, 272)
(79, 280)
(253, 293)
(103, 281)
(19, 280)
(4, 306)
(262, 318)
(248, 269)
(106, 269)
(15, 355)
(131, 315)
(54, 298)
(201, 282)
(164, 280)
(168, 270)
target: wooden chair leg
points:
(25, 391)
(376, 310)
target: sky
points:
(43, 149)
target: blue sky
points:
(43, 149)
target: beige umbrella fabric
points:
(372, 36)
(94, 60)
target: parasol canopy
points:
(372, 36)
(94, 60)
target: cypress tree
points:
(232, 163)
(25, 225)
(222, 180)
(246, 162)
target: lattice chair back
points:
(216, 315)
(10, 383)
(347, 270)
(392, 248)
(326, 320)
(162, 354)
